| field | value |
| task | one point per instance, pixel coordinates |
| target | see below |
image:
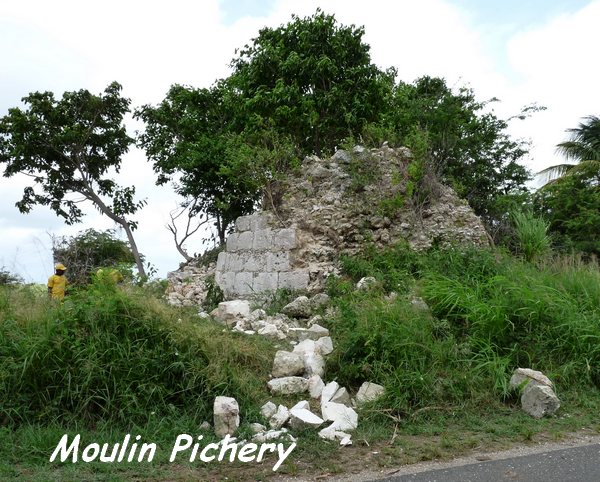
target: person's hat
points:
(60, 267)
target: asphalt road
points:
(577, 464)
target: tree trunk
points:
(92, 196)
(134, 249)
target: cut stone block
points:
(284, 239)
(226, 416)
(279, 261)
(268, 409)
(303, 418)
(243, 223)
(324, 345)
(288, 385)
(343, 417)
(369, 392)
(222, 264)
(306, 346)
(287, 364)
(294, 280)
(329, 391)
(228, 311)
(314, 364)
(279, 418)
(315, 386)
(262, 239)
(264, 282)
(341, 396)
(243, 283)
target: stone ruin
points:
(327, 208)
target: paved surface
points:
(578, 464)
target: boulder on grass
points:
(369, 392)
(287, 364)
(539, 401)
(226, 416)
(299, 308)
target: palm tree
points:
(583, 148)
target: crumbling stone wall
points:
(259, 258)
(334, 206)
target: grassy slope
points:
(110, 362)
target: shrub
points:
(531, 235)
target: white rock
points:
(539, 400)
(205, 425)
(341, 396)
(331, 433)
(318, 331)
(299, 308)
(281, 416)
(228, 311)
(257, 315)
(314, 364)
(287, 364)
(345, 441)
(368, 392)
(273, 435)
(257, 428)
(288, 385)
(306, 346)
(301, 404)
(315, 386)
(314, 320)
(366, 282)
(522, 374)
(324, 345)
(302, 418)
(268, 409)
(343, 417)
(270, 331)
(203, 315)
(226, 416)
(329, 391)
(319, 300)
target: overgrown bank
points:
(112, 361)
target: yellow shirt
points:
(58, 285)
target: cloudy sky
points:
(541, 51)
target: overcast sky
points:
(542, 51)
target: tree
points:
(572, 206)
(89, 250)
(68, 147)
(468, 146)
(311, 79)
(189, 136)
(583, 148)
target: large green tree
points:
(189, 137)
(468, 145)
(69, 147)
(311, 79)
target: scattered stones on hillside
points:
(537, 394)
(226, 416)
(315, 386)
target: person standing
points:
(57, 283)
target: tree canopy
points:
(69, 147)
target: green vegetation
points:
(71, 146)
(115, 360)
(89, 250)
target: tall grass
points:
(110, 354)
(532, 235)
(490, 313)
